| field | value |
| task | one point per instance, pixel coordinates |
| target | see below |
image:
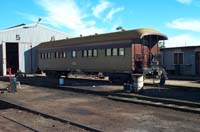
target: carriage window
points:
(95, 52)
(60, 54)
(108, 52)
(89, 53)
(121, 51)
(64, 55)
(115, 52)
(73, 54)
(84, 53)
(49, 55)
(54, 54)
(41, 55)
(45, 55)
(57, 55)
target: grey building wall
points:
(1, 65)
(189, 64)
(30, 37)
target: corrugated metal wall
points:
(1, 64)
(188, 66)
(30, 36)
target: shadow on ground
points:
(179, 93)
(185, 94)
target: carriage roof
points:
(97, 38)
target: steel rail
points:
(79, 125)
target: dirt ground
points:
(9, 126)
(102, 113)
(14, 120)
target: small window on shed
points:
(90, 53)
(108, 52)
(115, 52)
(121, 51)
(178, 58)
(74, 54)
(95, 53)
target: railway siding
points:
(103, 88)
(100, 112)
(39, 121)
(179, 106)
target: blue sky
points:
(178, 19)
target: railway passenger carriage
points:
(117, 54)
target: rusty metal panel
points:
(141, 54)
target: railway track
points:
(175, 105)
(117, 96)
(37, 121)
(179, 105)
(18, 123)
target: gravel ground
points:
(9, 126)
(25, 121)
(102, 113)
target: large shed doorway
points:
(12, 56)
(197, 60)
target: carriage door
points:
(197, 60)
(137, 57)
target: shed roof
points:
(30, 26)
(114, 36)
(19, 25)
(181, 47)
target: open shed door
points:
(197, 63)
(4, 58)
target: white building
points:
(18, 46)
